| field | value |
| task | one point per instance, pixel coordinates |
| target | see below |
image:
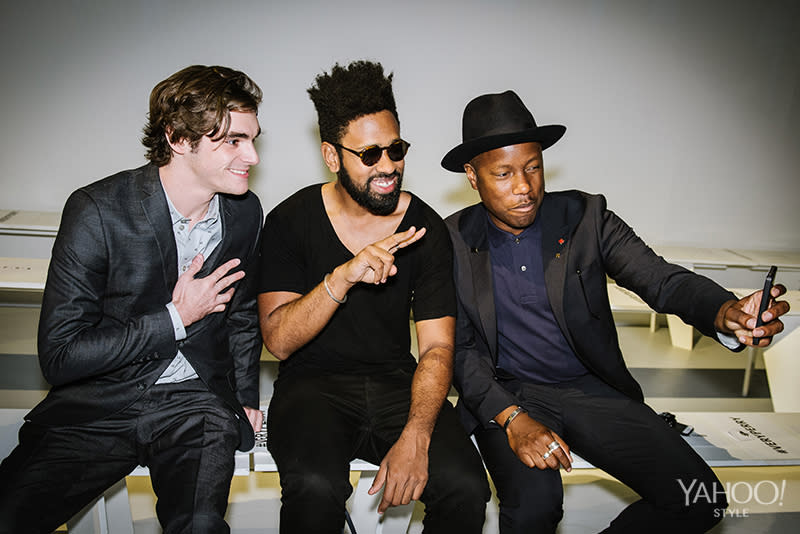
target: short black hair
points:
(347, 93)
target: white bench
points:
(723, 439)
(782, 362)
(31, 223)
(361, 506)
(111, 513)
(736, 267)
(23, 274)
(28, 233)
(623, 300)
(682, 335)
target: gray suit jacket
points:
(105, 335)
(582, 244)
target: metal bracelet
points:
(325, 283)
(511, 417)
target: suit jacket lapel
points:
(154, 205)
(481, 265)
(474, 230)
(556, 241)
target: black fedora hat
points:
(497, 120)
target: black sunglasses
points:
(372, 154)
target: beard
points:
(375, 203)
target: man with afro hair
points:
(350, 261)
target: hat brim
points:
(463, 153)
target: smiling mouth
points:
(239, 172)
(384, 182)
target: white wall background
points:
(684, 112)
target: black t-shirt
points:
(369, 333)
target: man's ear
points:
(331, 157)
(472, 176)
(180, 147)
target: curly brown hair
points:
(348, 93)
(195, 102)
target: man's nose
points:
(521, 185)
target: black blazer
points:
(583, 243)
(105, 335)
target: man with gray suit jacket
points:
(538, 364)
(148, 331)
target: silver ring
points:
(553, 446)
(546, 455)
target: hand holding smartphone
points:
(765, 298)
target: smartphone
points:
(765, 298)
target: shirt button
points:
(516, 241)
(141, 386)
(523, 268)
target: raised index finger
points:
(401, 239)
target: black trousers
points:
(623, 437)
(317, 425)
(182, 432)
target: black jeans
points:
(182, 432)
(317, 425)
(623, 437)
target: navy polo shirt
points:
(530, 344)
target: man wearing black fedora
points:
(538, 365)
